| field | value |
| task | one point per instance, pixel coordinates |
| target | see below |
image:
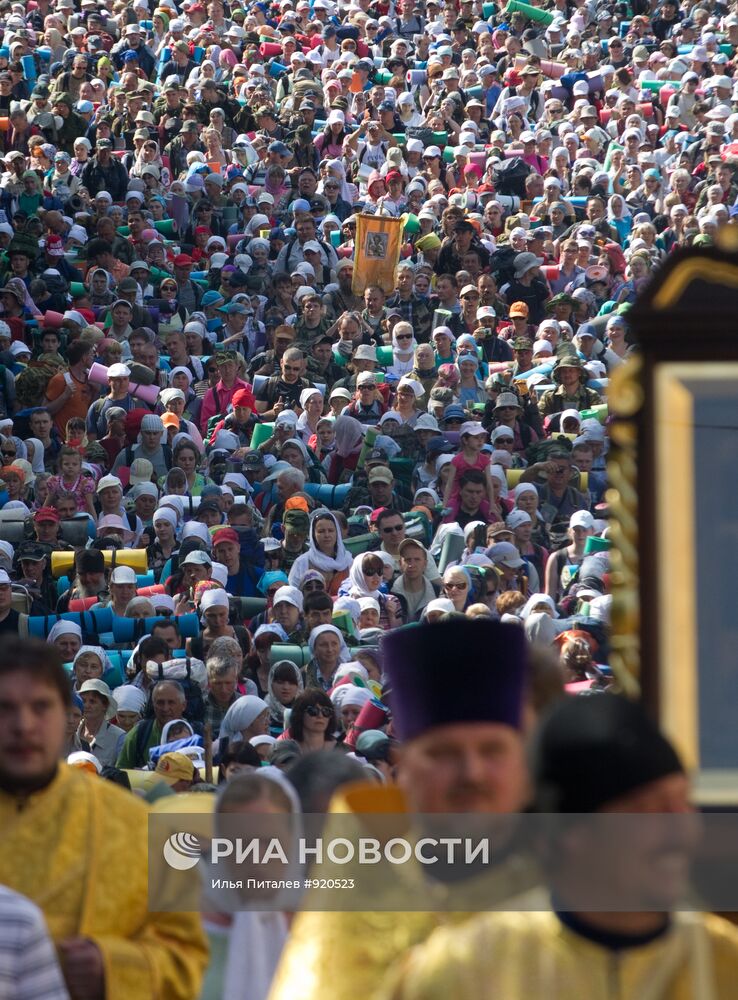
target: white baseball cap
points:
(123, 574)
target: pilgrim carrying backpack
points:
(194, 705)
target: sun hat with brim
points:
(101, 688)
(570, 361)
(524, 262)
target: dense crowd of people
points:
(236, 479)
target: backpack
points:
(195, 704)
(502, 265)
(409, 30)
(510, 175)
(30, 384)
(130, 456)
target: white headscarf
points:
(129, 698)
(534, 601)
(105, 661)
(37, 465)
(359, 586)
(257, 939)
(240, 716)
(276, 708)
(349, 435)
(625, 212)
(168, 727)
(314, 558)
(64, 628)
(344, 655)
(337, 170)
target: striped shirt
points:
(29, 969)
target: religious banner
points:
(674, 527)
(378, 239)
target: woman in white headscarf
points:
(619, 217)
(329, 650)
(348, 192)
(67, 637)
(349, 701)
(403, 350)
(326, 553)
(131, 702)
(365, 578)
(247, 717)
(312, 403)
(90, 663)
(349, 442)
(246, 948)
(559, 165)
(35, 454)
(539, 603)
(284, 684)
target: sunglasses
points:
(9, 454)
(314, 712)
(455, 586)
(313, 585)
(404, 336)
(372, 572)
(391, 528)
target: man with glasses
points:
(390, 526)
(219, 397)
(412, 307)
(283, 391)
(368, 406)
(453, 249)
(465, 320)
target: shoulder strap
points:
(142, 737)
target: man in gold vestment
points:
(76, 845)
(462, 752)
(598, 755)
